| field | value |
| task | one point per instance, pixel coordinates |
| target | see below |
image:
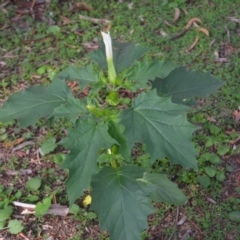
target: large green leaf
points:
(116, 132)
(85, 142)
(161, 189)
(183, 85)
(85, 76)
(120, 203)
(35, 102)
(142, 72)
(124, 55)
(71, 109)
(162, 126)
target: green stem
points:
(114, 163)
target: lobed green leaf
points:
(184, 86)
(85, 141)
(120, 203)
(30, 105)
(161, 189)
(124, 55)
(85, 76)
(70, 109)
(142, 72)
(162, 126)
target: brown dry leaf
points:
(176, 15)
(182, 220)
(167, 23)
(82, 6)
(193, 44)
(65, 20)
(22, 145)
(236, 115)
(55, 209)
(233, 142)
(3, 64)
(4, 4)
(230, 132)
(72, 85)
(71, 46)
(10, 144)
(104, 22)
(211, 119)
(204, 30)
(4, 26)
(195, 24)
(234, 19)
(211, 3)
(191, 21)
(90, 45)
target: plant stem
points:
(114, 163)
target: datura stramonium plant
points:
(109, 54)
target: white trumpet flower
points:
(109, 54)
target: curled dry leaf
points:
(79, 6)
(212, 42)
(176, 15)
(193, 44)
(195, 24)
(167, 23)
(211, 200)
(204, 30)
(104, 22)
(234, 19)
(65, 20)
(191, 21)
(182, 220)
(233, 142)
(211, 4)
(236, 116)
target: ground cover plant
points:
(102, 139)
(211, 141)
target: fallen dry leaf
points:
(233, 142)
(21, 172)
(193, 44)
(82, 6)
(211, 3)
(104, 22)
(90, 45)
(176, 15)
(195, 24)
(65, 20)
(204, 30)
(212, 42)
(211, 119)
(236, 115)
(4, 4)
(72, 84)
(228, 34)
(10, 144)
(234, 19)
(191, 21)
(24, 144)
(55, 209)
(167, 23)
(182, 220)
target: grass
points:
(33, 52)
